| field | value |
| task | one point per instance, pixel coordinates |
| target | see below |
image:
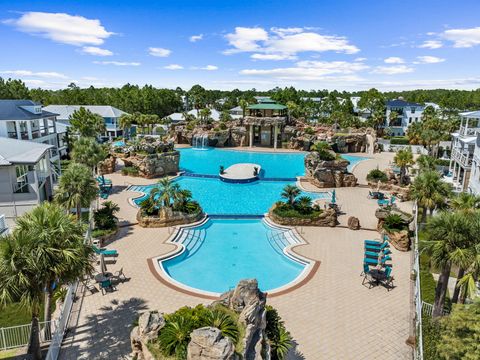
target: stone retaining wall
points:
(326, 218)
(168, 218)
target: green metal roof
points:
(266, 106)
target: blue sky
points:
(343, 44)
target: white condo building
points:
(407, 113)
(463, 149)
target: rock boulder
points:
(149, 325)
(208, 343)
(328, 173)
(353, 223)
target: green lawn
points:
(14, 314)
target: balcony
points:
(463, 158)
(469, 131)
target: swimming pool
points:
(119, 143)
(221, 252)
(274, 165)
(218, 197)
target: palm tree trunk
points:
(424, 214)
(47, 311)
(79, 211)
(456, 293)
(34, 343)
(463, 294)
(441, 291)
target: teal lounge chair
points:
(103, 180)
(384, 247)
(105, 252)
(373, 242)
(374, 262)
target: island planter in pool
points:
(213, 255)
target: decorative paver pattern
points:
(330, 317)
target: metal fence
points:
(427, 309)
(417, 295)
(18, 336)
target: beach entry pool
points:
(235, 242)
(220, 252)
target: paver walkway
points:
(331, 317)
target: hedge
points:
(399, 140)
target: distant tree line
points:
(162, 102)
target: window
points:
(413, 110)
(21, 185)
(410, 120)
(416, 119)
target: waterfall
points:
(200, 141)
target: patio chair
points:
(89, 286)
(119, 275)
(370, 195)
(107, 285)
(105, 252)
(367, 276)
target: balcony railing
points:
(469, 131)
(463, 158)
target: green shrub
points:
(394, 223)
(105, 218)
(431, 332)
(442, 162)
(376, 175)
(279, 338)
(323, 149)
(309, 131)
(149, 207)
(399, 140)
(287, 211)
(130, 170)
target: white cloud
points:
(90, 78)
(117, 63)
(42, 74)
(393, 70)
(285, 41)
(173, 67)
(428, 60)
(159, 52)
(360, 59)
(431, 44)
(310, 70)
(63, 28)
(394, 60)
(93, 50)
(463, 38)
(273, 57)
(195, 38)
(245, 39)
(209, 68)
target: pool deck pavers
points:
(330, 317)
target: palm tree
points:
(414, 133)
(125, 122)
(448, 235)
(76, 188)
(205, 114)
(88, 151)
(465, 202)
(426, 162)
(165, 192)
(392, 118)
(21, 282)
(290, 192)
(429, 191)
(243, 104)
(403, 159)
(58, 247)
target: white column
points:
(17, 129)
(275, 136)
(251, 135)
(29, 130)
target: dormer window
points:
(413, 110)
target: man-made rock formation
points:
(401, 192)
(327, 217)
(353, 223)
(399, 239)
(249, 301)
(328, 173)
(167, 217)
(208, 343)
(154, 165)
(107, 166)
(149, 325)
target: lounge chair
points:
(374, 262)
(104, 180)
(373, 242)
(105, 252)
(375, 248)
(384, 277)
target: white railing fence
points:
(427, 309)
(18, 336)
(63, 320)
(417, 296)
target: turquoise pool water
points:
(274, 165)
(119, 143)
(221, 252)
(218, 197)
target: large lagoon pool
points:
(218, 197)
(274, 165)
(221, 252)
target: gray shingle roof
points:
(12, 110)
(401, 103)
(13, 151)
(105, 111)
